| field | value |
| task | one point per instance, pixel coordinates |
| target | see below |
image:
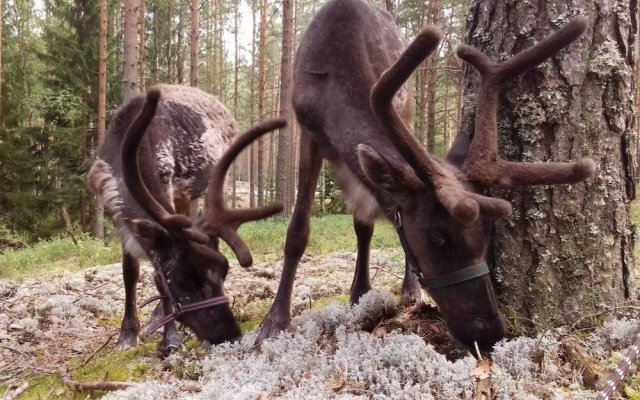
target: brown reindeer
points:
(352, 103)
(142, 177)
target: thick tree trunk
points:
(97, 226)
(195, 43)
(130, 50)
(283, 179)
(566, 250)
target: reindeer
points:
(354, 108)
(146, 181)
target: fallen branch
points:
(90, 386)
(16, 392)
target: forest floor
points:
(57, 333)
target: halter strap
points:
(179, 309)
(453, 278)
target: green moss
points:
(114, 365)
(111, 365)
(325, 301)
(632, 388)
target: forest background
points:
(52, 117)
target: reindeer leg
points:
(130, 326)
(279, 316)
(361, 283)
(411, 290)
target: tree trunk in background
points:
(253, 151)
(262, 80)
(236, 70)
(1, 26)
(195, 43)
(142, 38)
(222, 91)
(283, 178)
(130, 50)
(431, 67)
(566, 250)
(97, 226)
(179, 51)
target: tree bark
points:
(283, 178)
(97, 226)
(142, 37)
(1, 26)
(130, 50)
(236, 71)
(195, 43)
(253, 151)
(262, 80)
(432, 80)
(566, 250)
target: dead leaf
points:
(380, 332)
(482, 370)
(191, 387)
(262, 396)
(336, 384)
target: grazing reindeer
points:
(157, 173)
(350, 99)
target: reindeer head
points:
(444, 224)
(190, 271)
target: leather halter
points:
(179, 309)
(450, 279)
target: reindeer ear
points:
(388, 176)
(149, 232)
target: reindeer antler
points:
(224, 222)
(175, 223)
(462, 205)
(483, 165)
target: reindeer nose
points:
(485, 331)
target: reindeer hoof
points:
(127, 340)
(271, 326)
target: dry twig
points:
(17, 391)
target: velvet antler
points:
(224, 222)
(177, 224)
(464, 206)
(483, 165)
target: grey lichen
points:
(606, 61)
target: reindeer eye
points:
(437, 239)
